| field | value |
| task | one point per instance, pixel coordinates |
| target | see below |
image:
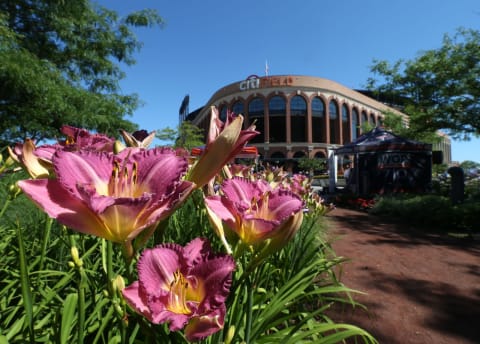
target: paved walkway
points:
(420, 288)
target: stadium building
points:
(297, 116)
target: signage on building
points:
(255, 82)
(394, 160)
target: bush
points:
(431, 212)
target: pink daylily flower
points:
(79, 138)
(255, 211)
(224, 142)
(183, 286)
(111, 196)
(139, 138)
(35, 160)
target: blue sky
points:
(205, 45)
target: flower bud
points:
(230, 334)
(118, 283)
(76, 258)
(14, 191)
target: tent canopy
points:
(378, 139)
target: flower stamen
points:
(178, 294)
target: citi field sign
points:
(255, 82)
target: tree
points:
(60, 64)
(469, 164)
(439, 89)
(187, 135)
(395, 124)
(312, 164)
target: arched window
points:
(318, 124)
(364, 118)
(277, 158)
(373, 120)
(333, 118)
(345, 124)
(298, 119)
(256, 114)
(223, 113)
(355, 127)
(237, 108)
(277, 112)
(299, 154)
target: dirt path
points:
(420, 288)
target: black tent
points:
(384, 163)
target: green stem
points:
(5, 206)
(46, 238)
(81, 305)
(109, 263)
(128, 253)
(248, 326)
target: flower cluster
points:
(121, 192)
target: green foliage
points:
(394, 123)
(187, 135)
(467, 164)
(439, 89)
(438, 169)
(61, 65)
(312, 164)
(429, 212)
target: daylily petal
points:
(45, 152)
(223, 143)
(160, 315)
(195, 250)
(216, 279)
(216, 125)
(217, 154)
(137, 299)
(255, 230)
(243, 190)
(160, 170)
(84, 167)
(286, 231)
(50, 196)
(139, 138)
(25, 155)
(203, 326)
(222, 207)
(216, 222)
(283, 204)
(156, 268)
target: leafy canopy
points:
(440, 88)
(187, 135)
(61, 65)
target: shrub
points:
(430, 212)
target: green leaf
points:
(25, 284)
(68, 317)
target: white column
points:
(332, 171)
